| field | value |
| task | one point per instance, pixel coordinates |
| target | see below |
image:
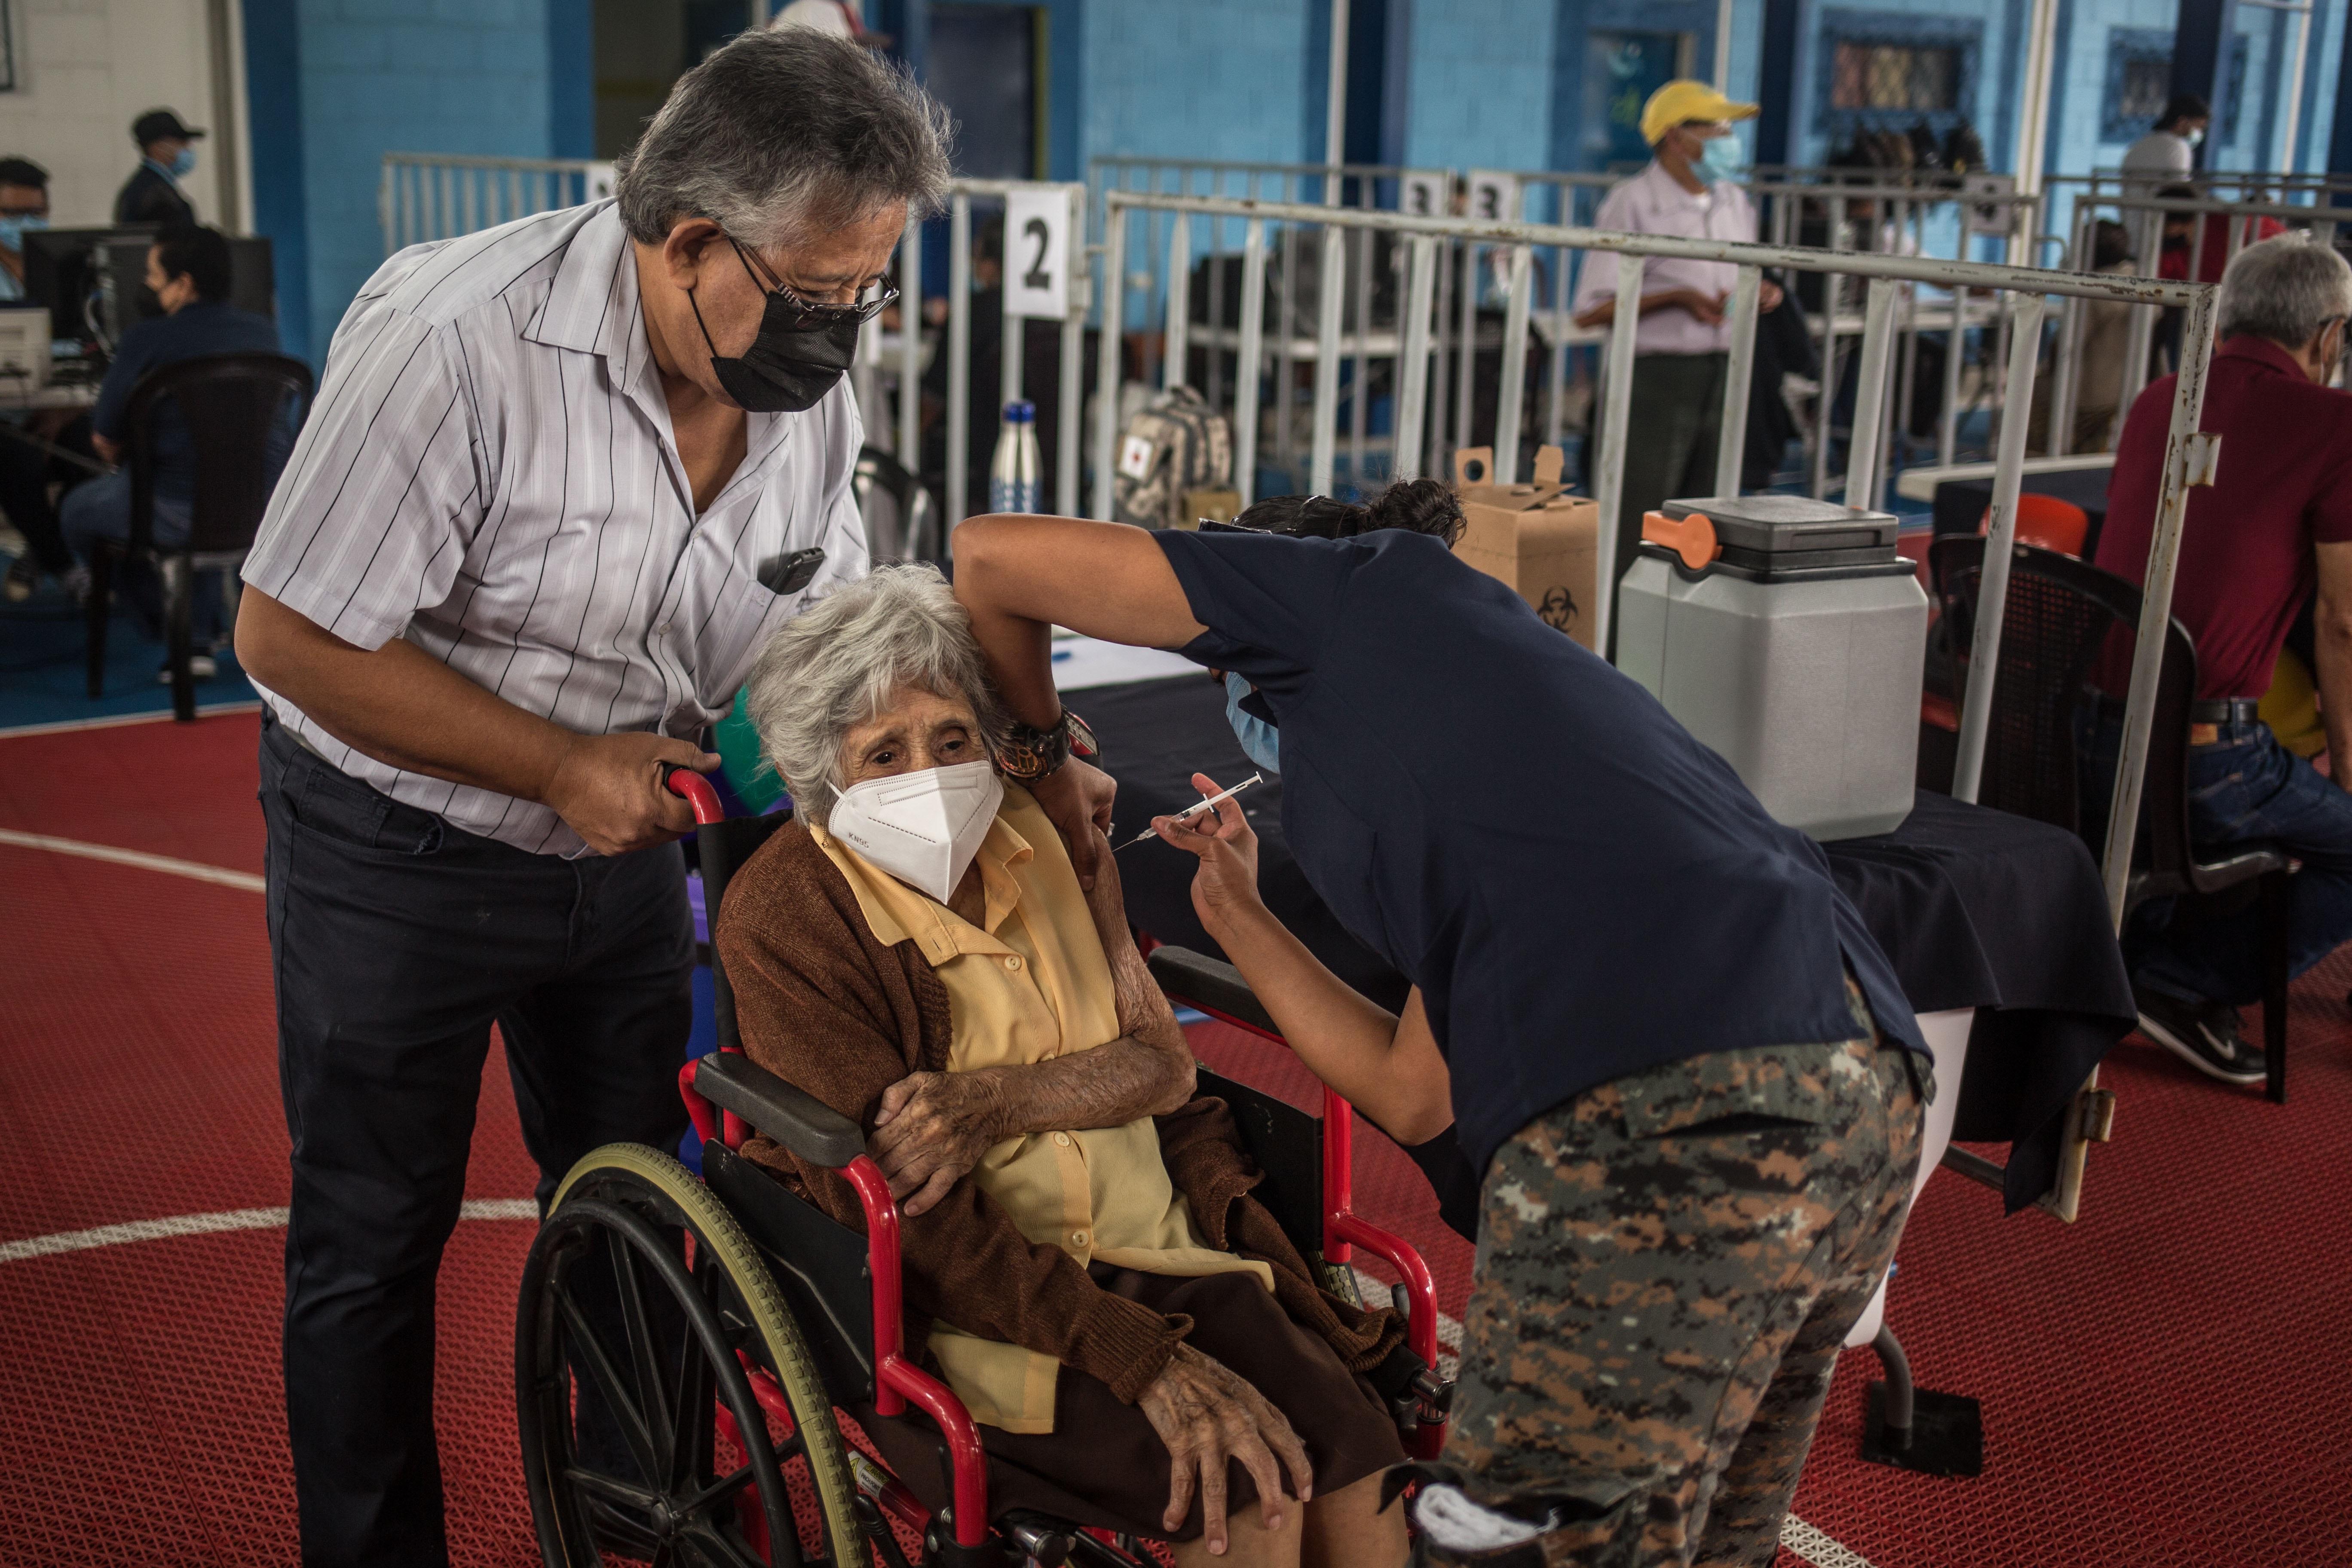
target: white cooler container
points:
(1787, 634)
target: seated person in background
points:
(2276, 521)
(25, 470)
(188, 270)
(2183, 248)
(915, 950)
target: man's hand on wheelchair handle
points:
(608, 789)
(1207, 1414)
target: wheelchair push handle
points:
(695, 791)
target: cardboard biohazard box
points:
(1542, 541)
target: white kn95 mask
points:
(922, 827)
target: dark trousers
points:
(2243, 786)
(397, 940)
(1673, 423)
(26, 471)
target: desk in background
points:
(1961, 504)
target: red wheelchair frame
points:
(897, 1381)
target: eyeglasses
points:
(813, 316)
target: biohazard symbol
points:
(1559, 609)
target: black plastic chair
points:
(911, 532)
(2062, 614)
(233, 404)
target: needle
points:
(1189, 812)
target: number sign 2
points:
(1038, 253)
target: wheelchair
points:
(727, 1325)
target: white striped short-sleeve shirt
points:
(490, 472)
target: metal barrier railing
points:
(2189, 458)
(423, 196)
(2219, 230)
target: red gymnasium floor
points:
(2165, 1384)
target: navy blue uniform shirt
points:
(204, 327)
(1579, 889)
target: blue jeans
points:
(100, 511)
(2243, 786)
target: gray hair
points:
(781, 133)
(2285, 288)
(834, 666)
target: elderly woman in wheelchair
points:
(1144, 1350)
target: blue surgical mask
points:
(184, 164)
(14, 227)
(1261, 739)
(1721, 159)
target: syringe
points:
(1189, 812)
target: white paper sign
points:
(1990, 217)
(1037, 254)
(1421, 192)
(601, 181)
(1493, 197)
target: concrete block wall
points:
(85, 70)
(408, 75)
(1203, 79)
(1480, 76)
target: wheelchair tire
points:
(632, 1207)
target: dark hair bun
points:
(1419, 506)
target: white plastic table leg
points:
(1947, 1036)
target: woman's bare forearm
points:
(1386, 1067)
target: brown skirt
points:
(1102, 1465)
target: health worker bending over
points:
(916, 952)
(1686, 1072)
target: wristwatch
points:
(1031, 753)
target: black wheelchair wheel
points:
(646, 1315)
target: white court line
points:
(113, 720)
(1814, 1546)
(195, 869)
(214, 1225)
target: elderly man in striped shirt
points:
(562, 480)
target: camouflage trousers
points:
(1667, 1268)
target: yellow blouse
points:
(1028, 984)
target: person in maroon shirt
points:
(2274, 527)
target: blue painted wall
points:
(1480, 74)
(1205, 79)
(336, 84)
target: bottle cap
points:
(1020, 411)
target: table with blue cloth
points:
(1974, 907)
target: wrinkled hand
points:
(1077, 795)
(1222, 836)
(1206, 1415)
(932, 1130)
(608, 789)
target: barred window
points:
(1919, 78)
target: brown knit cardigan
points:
(826, 1007)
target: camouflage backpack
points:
(1175, 445)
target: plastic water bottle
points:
(1015, 474)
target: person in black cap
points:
(151, 193)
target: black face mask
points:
(800, 351)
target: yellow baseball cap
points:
(1678, 101)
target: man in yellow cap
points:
(1681, 347)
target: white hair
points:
(834, 667)
(782, 134)
(2287, 289)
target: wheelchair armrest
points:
(793, 1117)
(1211, 985)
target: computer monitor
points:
(125, 300)
(62, 270)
